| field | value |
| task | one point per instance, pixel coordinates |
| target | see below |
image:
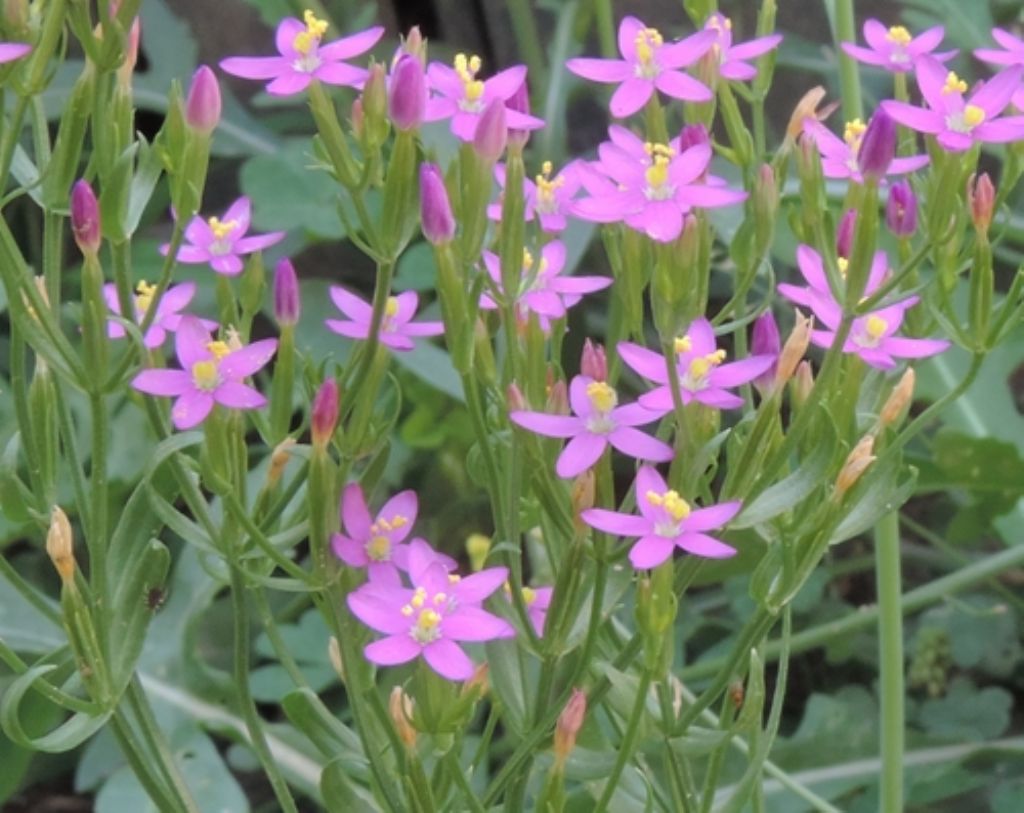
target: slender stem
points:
(606, 28)
(455, 769)
(891, 665)
(628, 744)
(849, 79)
(29, 592)
(528, 39)
(133, 752)
(276, 641)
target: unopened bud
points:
(802, 384)
(407, 94)
(324, 416)
(693, 135)
(334, 656)
(278, 460)
(477, 548)
(766, 193)
(794, 349)
(287, 305)
(85, 218)
(901, 209)
(357, 118)
(60, 545)
(844, 233)
(16, 16)
(401, 707)
(808, 161)
(203, 105)
(981, 196)
(765, 341)
(898, 400)
(375, 94)
(480, 683)
(436, 218)
(570, 721)
(520, 102)
(806, 108)
(515, 398)
(414, 44)
(856, 463)
(558, 399)
(593, 362)
(582, 494)
(491, 135)
(877, 147)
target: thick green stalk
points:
(891, 663)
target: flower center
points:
(675, 507)
(874, 330)
(656, 175)
(853, 133)
(898, 35)
(472, 88)
(144, 297)
(222, 244)
(603, 400)
(700, 368)
(546, 188)
(379, 549)
(954, 84)
(205, 374)
(647, 43)
(529, 596)
(427, 626)
(966, 120)
(390, 311)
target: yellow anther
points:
(654, 498)
(676, 506)
(898, 35)
(973, 115)
(682, 344)
(398, 521)
(391, 308)
(454, 578)
(527, 259)
(428, 620)
(546, 168)
(467, 69)
(418, 598)
(529, 596)
(379, 549)
(218, 348)
(306, 41)
(545, 185)
(853, 131)
(205, 375)
(221, 229)
(144, 296)
(407, 610)
(842, 263)
(876, 327)
(647, 41)
(701, 366)
(602, 397)
(720, 23)
(656, 175)
(954, 84)
(439, 599)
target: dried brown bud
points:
(803, 383)
(807, 108)
(898, 400)
(60, 545)
(401, 708)
(856, 463)
(480, 683)
(278, 460)
(582, 497)
(570, 721)
(794, 348)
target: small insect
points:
(736, 693)
(155, 598)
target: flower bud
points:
(514, 397)
(766, 193)
(802, 384)
(400, 707)
(806, 108)
(520, 102)
(898, 400)
(693, 135)
(844, 233)
(131, 54)
(582, 497)
(203, 105)
(593, 362)
(856, 463)
(981, 196)
(436, 218)
(287, 305)
(278, 460)
(901, 209)
(85, 218)
(878, 146)
(558, 399)
(60, 544)
(765, 342)
(479, 684)
(407, 94)
(324, 416)
(375, 92)
(491, 135)
(334, 656)
(794, 349)
(16, 16)
(570, 721)
(414, 44)
(477, 548)
(357, 118)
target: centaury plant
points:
(549, 663)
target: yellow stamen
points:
(602, 397)
(418, 598)
(428, 620)
(545, 185)
(467, 68)
(391, 308)
(379, 549)
(954, 84)
(527, 259)
(842, 263)
(701, 366)
(973, 115)
(898, 35)
(682, 345)
(205, 375)
(529, 596)
(876, 327)
(674, 505)
(656, 174)
(647, 41)
(654, 498)
(218, 348)
(853, 132)
(306, 41)
(407, 610)
(144, 296)
(221, 229)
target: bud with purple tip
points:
(520, 102)
(765, 341)
(901, 209)
(491, 135)
(203, 105)
(878, 146)
(594, 363)
(436, 218)
(286, 293)
(407, 94)
(324, 414)
(844, 233)
(85, 218)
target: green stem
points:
(849, 78)
(628, 744)
(528, 39)
(133, 752)
(891, 664)
(455, 769)
(276, 641)
(606, 29)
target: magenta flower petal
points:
(238, 396)
(393, 650)
(740, 372)
(190, 343)
(478, 586)
(355, 516)
(258, 242)
(191, 408)
(9, 51)
(352, 45)
(254, 67)
(474, 624)
(650, 552)
(448, 660)
(645, 362)
(579, 454)
(247, 360)
(636, 444)
(350, 551)
(714, 516)
(914, 348)
(553, 426)
(682, 86)
(704, 545)
(613, 522)
(600, 70)
(334, 73)
(167, 383)
(630, 96)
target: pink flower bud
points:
(491, 132)
(85, 217)
(324, 413)
(693, 135)
(593, 362)
(358, 117)
(287, 305)
(202, 107)
(981, 195)
(520, 102)
(436, 218)
(514, 397)
(407, 94)
(878, 147)
(844, 233)
(570, 721)
(765, 342)
(558, 399)
(901, 209)
(415, 45)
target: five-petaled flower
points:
(894, 48)
(703, 376)
(432, 616)
(839, 156)
(221, 242)
(212, 372)
(303, 59)
(732, 59)
(537, 601)
(813, 270)
(168, 311)
(396, 328)
(957, 122)
(547, 197)
(648, 63)
(598, 422)
(666, 522)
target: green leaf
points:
(967, 713)
(310, 716)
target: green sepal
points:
(400, 204)
(60, 173)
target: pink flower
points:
(666, 522)
(702, 375)
(462, 97)
(813, 270)
(10, 51)
(396, 329)
(542, 289)
(168, 311)
(431, 617)
(546, 198)
(650, 187)
(956, 122)
(894, 49)
(598, 422)
(648, 63)
(839, 156)
(537, 601)
(303, 59)
(221, 243)
(212, 372)
(732, 59)
(377, 543)
(1013, 55)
